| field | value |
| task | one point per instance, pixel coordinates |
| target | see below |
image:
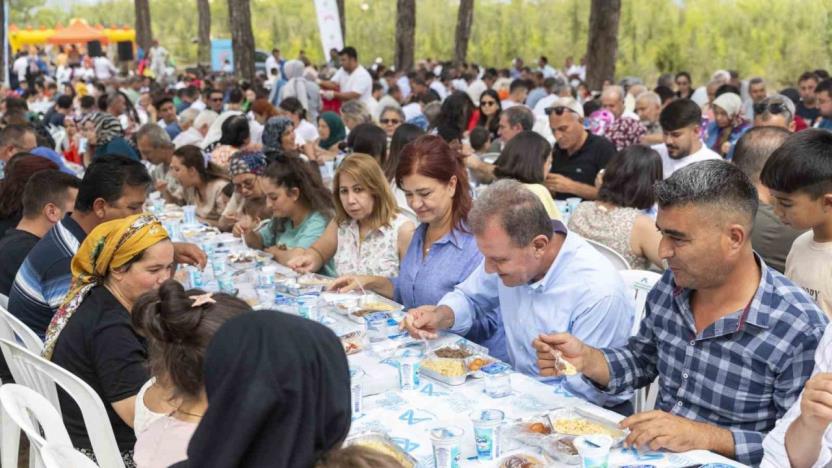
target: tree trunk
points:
(602, 46)
(464, 20)
(143, 32)
(203, 8)
(405, 33)
(342, 18)
(242, 38)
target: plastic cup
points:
(487, 433)
(594, 450)
(189, 212)
(409, 370)
(497, 379)
(308, 307)
(446, 446)
(572, 203)
(226, 284)
(173, 229)
(195, 277)
(158, 206)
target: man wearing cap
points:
(578, 155)
(351, 81)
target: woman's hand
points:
(346, 284)
(304, 263)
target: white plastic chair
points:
(12, 329)
(27, 410)
(42, 376)
(619, 262)
(640, 283)
(62, 456)
(4, 301)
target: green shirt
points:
(303, 236)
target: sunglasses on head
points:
(558, 110)
(390, 121)
(770, 107)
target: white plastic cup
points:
(447, 452)
(189, 214)
(409, 370)
(356, 391)
(572, 203)
(487, 433)
(594, 450)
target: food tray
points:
(532, 431)
(383, 444)
(522, 460)
(606, 426)
(446, 379)
(561, 448)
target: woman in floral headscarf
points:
(106, 136)
(91, 335)
(728, 124)
(279, 139)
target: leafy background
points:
(777, 39)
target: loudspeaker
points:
(125, 51)
(94, 49)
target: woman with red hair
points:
(442, 252)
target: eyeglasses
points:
(488, 103)
(390, 121)
(218, 99)
(770, 107)
(247, 184)
(558, 110)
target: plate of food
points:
(447, 371)
(381, 443)
(578, 422)
(522, 460)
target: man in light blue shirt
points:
(541, 278)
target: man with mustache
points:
(681, 124)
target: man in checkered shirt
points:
(731, 340)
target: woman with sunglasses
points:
(489, 110)
(391, 118)
(684, 86)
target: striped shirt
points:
(741, 373)
(45, 276)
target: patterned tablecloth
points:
(407, 416)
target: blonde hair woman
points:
(368, 236)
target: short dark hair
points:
(519, 115)
(713, 182)
(49, 186)
(727, 88)
(754, 148)
(808, 75)
(685, 74)
(106, 177)
(235, 96)
(680, 113)
(369, 138)
(629, 178)
(349, 51)
(12, 134)
(63, 102)
(479, 137)
(16, 104)
(162, 101)
(235, 131)
(803, 163)
(523, 157)
(518, 84)
(825, 85)
(87, 102)
(665, 93)
(293, 106)
(821, 73)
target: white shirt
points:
(548, 71)
(440, 89)
(544, 103)
(20, 66)
(670, 165)
(307, 131)
(809, 265)
(774, 445)
(271, 63)
(359, 81)
(191, 136)
(475, 90)
(198, 105)
(104, 68)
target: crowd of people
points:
(445, 189)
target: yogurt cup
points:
(446, 440)
(487, 424)
(594, 450)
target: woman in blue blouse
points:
(442, 252)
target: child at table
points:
(252, 217)
(799, 176)
(178, 325)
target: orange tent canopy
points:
(77, 32)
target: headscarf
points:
(247, 162)
(337, 131)
(624, 132)
(730, 103)
(110, 245)
(273, 132)
(107, 127)
(296, 86)
(285, 382)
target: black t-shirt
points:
(809, 115)
(9, 222)
(99, 345)
(584, 165)
(14, 247)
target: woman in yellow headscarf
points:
(91, 335)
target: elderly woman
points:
(279, 139)
(91, 335)
(391, 118)
(728, 124)
(355, 113)
(307, 92)
(105, 136)
(245, 169)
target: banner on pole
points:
(329, 26)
